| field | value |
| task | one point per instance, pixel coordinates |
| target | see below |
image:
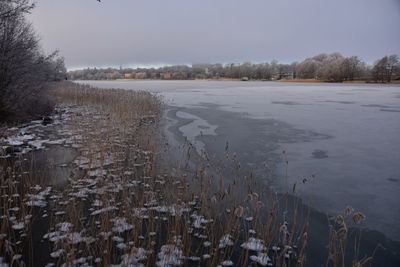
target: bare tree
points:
(353, 68)
(384, 68)
(307, 69)
(392, 66)
(331, 68)
(12, 8)
(24, 69)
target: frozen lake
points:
(347, 136)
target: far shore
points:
(240, 80)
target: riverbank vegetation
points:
(25, 70)
(324, 67)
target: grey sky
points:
(153, 32)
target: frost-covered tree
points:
(331, 68)
(24, 69)
(353, 68)
(308, 69)
(12, 8)
(385, 68)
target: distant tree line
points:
(25, 71)
(337, 68)
(324, 67)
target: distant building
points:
(286, 76)
(140, 75)
(128, 75)
(167, 76)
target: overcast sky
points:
(153, 32)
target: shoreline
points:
(299, 81)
